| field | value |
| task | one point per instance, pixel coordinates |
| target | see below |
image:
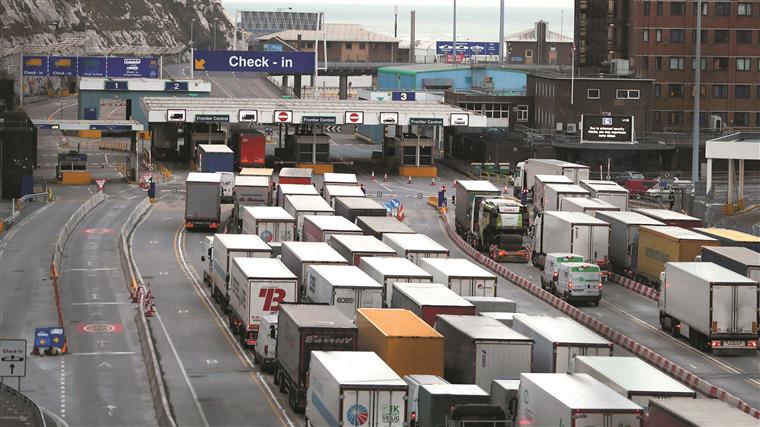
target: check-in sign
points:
(173, 115)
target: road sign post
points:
(12, 358)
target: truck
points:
(415, 382)
(379, 225)
(250, 147)
(227, 247)
(272, 224)
(332, 191)
(266, 344)
(624, 238)
(227, 185)
(258, 286)
(208, 259)
(415, 246)
(579, 282)
(298, 206)
(203, 207)
(660, 244)
(344, 286)
(492, 304)
(505, 393)
(322, 228)
(737, 259)
(684, 412)
(435, 402)
(428, 300)
(585, 205)
(461, 275)
(388, 270)
(728, 237)
(557, 340)
(571, 232)
(251, 191)
(301, 330)
(215, 158)
(355, 247)
(298, 256)
(554, 193)
(526, 171)
(550, 273)
(609, 191)
(285, 190)
(353, 207)
(539, 184)
(267, 172)
(713, 307)
(480, 349)
(404, 341)
(631, 378)
(295, 176)
(672, 218)
(354, 388)
(573, 400)
(331, 178)
(506, 318)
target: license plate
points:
(734, 343)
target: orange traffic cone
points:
(385, 178)
(409, 181)
(373, 175)
(432, 181)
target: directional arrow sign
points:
(12, 358)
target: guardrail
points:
(17, 205)
(15, 402)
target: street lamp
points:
(215, 25)
(192, 48)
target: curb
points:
(635, 286)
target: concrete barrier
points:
(635, 286)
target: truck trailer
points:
(684, 412)
(227, 247)
(354, 247)
(539, 184)
(298, 256)
(344, 286)
(526, 171)
(461, 275)
(299, 206)
(285, 190)
(388, 270)
(428, 300)
(737, 259)
(588, 206)
(272, 223)
(332, 191)
(672, 218)
(436, 400)
(571, 232)
(415, 383)
(331, 178)
(322, 228)
(415, 246)
(379, 225)
(250, 148)
(553, 194)
(728, 237)
(295, 176)
(215, 158)
(660, 244)
(251, 191)
(492, 304)
(624, 238)
(353, 207)
(203, 198)
(505, 393)
(609, 191)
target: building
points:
(440, 76)
(345, 43)
(539, 46)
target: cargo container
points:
(332, 191)
(354, 247)
(526, 171)
(660, 244)
(227, 247)
(624, 237)
(252, 191)
(208, 259)
(505, 393)
(461, 276)
(728, 237)
(298, 256)
(588, 206)
(571, 232)
(683, 412)
(630, 377)
(388, 270)
(466, 192)
(480, 349)
(539, 185)
(608, 191)
(322, 228)
(227, 186)
(330, 178)
(436, 400)
(415, 246)
(353, 388)
(250, 146)
(295, 176)
(506, 318)
(202, 201)
(553, 194)
(550, 273)
(301, 330)
(737, 259)
(352, 207)
(715, 308)
(258, 286)
(344, 286)
(300, 206)
(667, 217)
(285, 190)
(404, 341)
(272, 223)
(266, 344)
(415, 382)
(267, 172)
(558, 339)
(428, 300)
(379, 225)
(493, 304)
(215, 158)
(573, 400)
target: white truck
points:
(526, 171)
(208, 259)
(505, 393)
(227, 186)
(344, 286)
(332, 178)
(227, 247)
(298, 206)
(624, 237)
(353, 247)
(551, 268)
(257, 287)
(379, 225)
(330, 192)
(322, 228)
(553, 194)
(712, 306)
(558, 339)
(298, 256)
(272, 223)
(608, 191)
(415, 246)
(285, 190)
(415, 383)
(266, 344)
(571, 232)
(539, 184)
(252, 191)
(202, 201)
(492, 304)
(461, 276)
(579, 282)
(354, 388)
(388, 270)
(576, 400)
(589, 206)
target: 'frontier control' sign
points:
(616, 129)
(254, 61)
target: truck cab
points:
(551, 268)
(228, 186)
(519, 178)
(208, 258)
(264, 349)
(579, 281)
(494, 217)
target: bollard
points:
(409, 181)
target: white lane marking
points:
(105, 353)
(100, 303)
(92, 269)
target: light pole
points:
(192, 48)
(2, 47)
(454, 34)
(697, 84)
(216, 20)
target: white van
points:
(551, 266)
(579, 281)
(228, 186)
(266, 344)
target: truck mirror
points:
(227, 278)
(272, 332)
(203, 258)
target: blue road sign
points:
(57, 337)
(175, 87)
(388, 206)
(42, 338)
(254, 61)
(35, 65)
(92, 66)
(395, 203)
(63, 65)
(467, 48)
(132, 67)
(403, 96)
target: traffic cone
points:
(385, 178)
(506, 189)
(409, 181)
(432, 181)
(455, 183)
(373, 175)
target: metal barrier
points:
(26, 411)
(17, 205)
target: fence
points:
(16, 405)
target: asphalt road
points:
(229, 85)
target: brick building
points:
(539, 46)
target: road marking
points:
(100, 303)
(105, 353)
(92, 269)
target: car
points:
(625, 176)
(133, 68)
(639, 187)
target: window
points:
(676, 63)
(677, 36)
(660, 8)
(743, 64)
(694, 36)
(592, 94)
(646, 7)
(702, 90)
(658, 63)
(627, 94)
(522, 113)
(658, 35)
(757, 120)
(657, 117)
(720, 91)
(348, 45)
(645, 63)
(657, 90)
(742, 91)
(409, 156)
(362, 46)
(744, 9)
(721, 36)
(704, 9)
(645, 35)
(677, 8)
(758, 91)
(675, 90)
(675, 117)
(741, 119)
(743, 36)
(426, 156)
(702, 65)
(720, 64)
(722, 8)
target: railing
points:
(18, 204)
(13, 402)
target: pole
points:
(572, 76)
(21, 79)
(234, 31)
(454, 34)
(192, 48)
(216, 20)
(413, 41)
(395, 22)
(161, 66)
(697, 83)
(501, 32)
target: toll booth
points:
(309, 145)
(72, 168)
(415, 155)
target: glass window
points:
(694, 36)
(646, 7)
(409, 156)
(704, 9)
(592, 94)
(660, 8)
(722, 8)
(703, 63)
(645, 63)
(657, 117)
(426, 156)
(702, 90)
(744, 9)
(362, 46)
(658, 63)
(658, 35)
(677, 8)
(676, 63)
(721, 36)
(634, 94)
(741, 119)
(348, 45)
(675, 90)
(522, 113)
(742, 91)
(720, 91)
(757, 120)
(621, 94)
(743, 64)
(675, 117)
(677, 36)
(645, 35)
(720, 64)
(657, 90)
(743, 36)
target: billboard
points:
(63, 65)
(467, 48)
(34, 65)
(617, 129)
(90, 66)
(254, 61)
(132, 67)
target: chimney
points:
(541, 49)
(412, 43)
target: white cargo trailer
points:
(573, 400)
(553, 194)
(379, 225)
(354, 388)
(461, 275)
(345, 286)
(353, 247)
(608, 191)
(504, 393)
(299, 206)
(571, 232)
(492, 304)
(506, 318)
(540, 183)
(415, 382)
(479, 350)
(624, 237)
(203, 200)
(227, 247)
(298, 256)
(388, 270)
(266, 344)
(322, 228)
(208, 259)
(272, 223)
(332, 178)
(415, 246)
(285, 190)
(252, 191)
(584, 205)
(333, 191)
(526, 171)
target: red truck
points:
(250, 148)
(639, 187)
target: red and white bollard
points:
(432, 181)
(409, 180)
(373, 176)
(385, 178)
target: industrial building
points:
(539, 46)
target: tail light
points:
(502, 253)
(752, 343)
(600, 285)
(715, 343)
(214, 226)
(569, 285)
(188, 224)
(554, 275)
(414, 416)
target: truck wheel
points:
(275, 375)
(534, 259)
(283, 386)
(596, 302)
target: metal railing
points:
(15, 402)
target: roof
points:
(269, 212)
(455, 267)
(580, 391)
(307, 189)
(478, 185)
(706, 412)
(598, 182)
(741, 145)
(576, 217)
(678, 233)
(251, 181)
(339, 178)
(631, 374)
(553, 179)
(384, 224)
(263, 268)
(397, 322)
(498, 315)
(604, 186)
(454, 389)
(344, 190)
(431, 294)
(726, 233)
(317, 316)
(239, 242)
(482, 328)
(359, 203)
(665, 215)
(332, 223)
(312, 252)
(296, 172)
(424, 379)
(566, 188)
(412, 69)
(628, 218)
(710, 272)
(363, 243)
(358, 367)
(204, 177)
(593, 203)
(215, 148)
(414, 242)
(313, 203)
(345, 276)
(394, 267)
(744, 255)
(529, 35)
(560, 329)
(256, 172)
(333, 33)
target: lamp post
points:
(2, 47)
(216, 20)
(454, 34)
(192, 48)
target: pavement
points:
(229, 85)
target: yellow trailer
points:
(660, 244)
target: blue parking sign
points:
(57, 337)
(42, 338)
